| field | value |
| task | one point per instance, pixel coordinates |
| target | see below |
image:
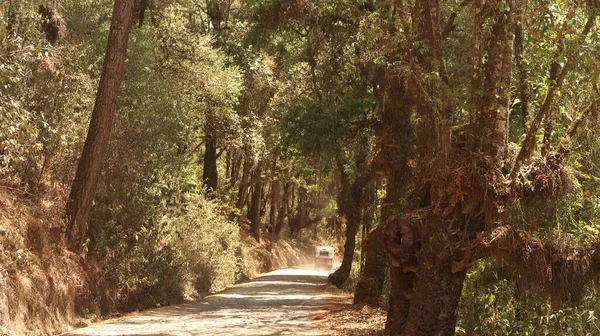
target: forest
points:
(152, 152)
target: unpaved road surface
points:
(283, 302)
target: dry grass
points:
(39, 279)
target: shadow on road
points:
(278, 303)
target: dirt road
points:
(283, 302)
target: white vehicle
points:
(324, 256)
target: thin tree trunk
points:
(300, 218)
(275, 202)
(209, 170)
(522, 87)
(283, 208)
(235, 167)
(244, 182)
(264, 199)
(84, 186)
(255, 206)
(228, 167)
(352, 210)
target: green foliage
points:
(492, 305)
(311, 128)
(194, 250)
(137, 270)
(207, 243)
(44, 103)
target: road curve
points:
(282, 302)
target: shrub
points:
(207, 244)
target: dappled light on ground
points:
(282, 302)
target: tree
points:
(370, 285)
(460, 213)
(90, 164)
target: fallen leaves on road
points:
(341, 318)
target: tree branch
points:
(577, 122)
(529, 142)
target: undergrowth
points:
(492, 304)
(192, 251)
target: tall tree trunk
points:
(297, 221)
(236, 163)
(395, 143)
(370, 286)
(209, 169)
(84, 186)
(399, 303)
(522, 86)
(264, 199)
(255, 205)
(283, 208)
(245, 180)
(228, 158)
(352, 209)
(275, 201)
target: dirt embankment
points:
(39, 278)
(43, 286)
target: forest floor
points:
(292, 301)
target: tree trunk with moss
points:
(427, 240)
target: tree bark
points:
(236, 163)
(275, 202)
(352, 210)
(399, 303)
(395, 148)
(84, 186)
(370, 286)
(493, 121)
(522, 86)
(209, 169)
(244, 182)
(283, 208)
(434, 300)
(255, 207)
